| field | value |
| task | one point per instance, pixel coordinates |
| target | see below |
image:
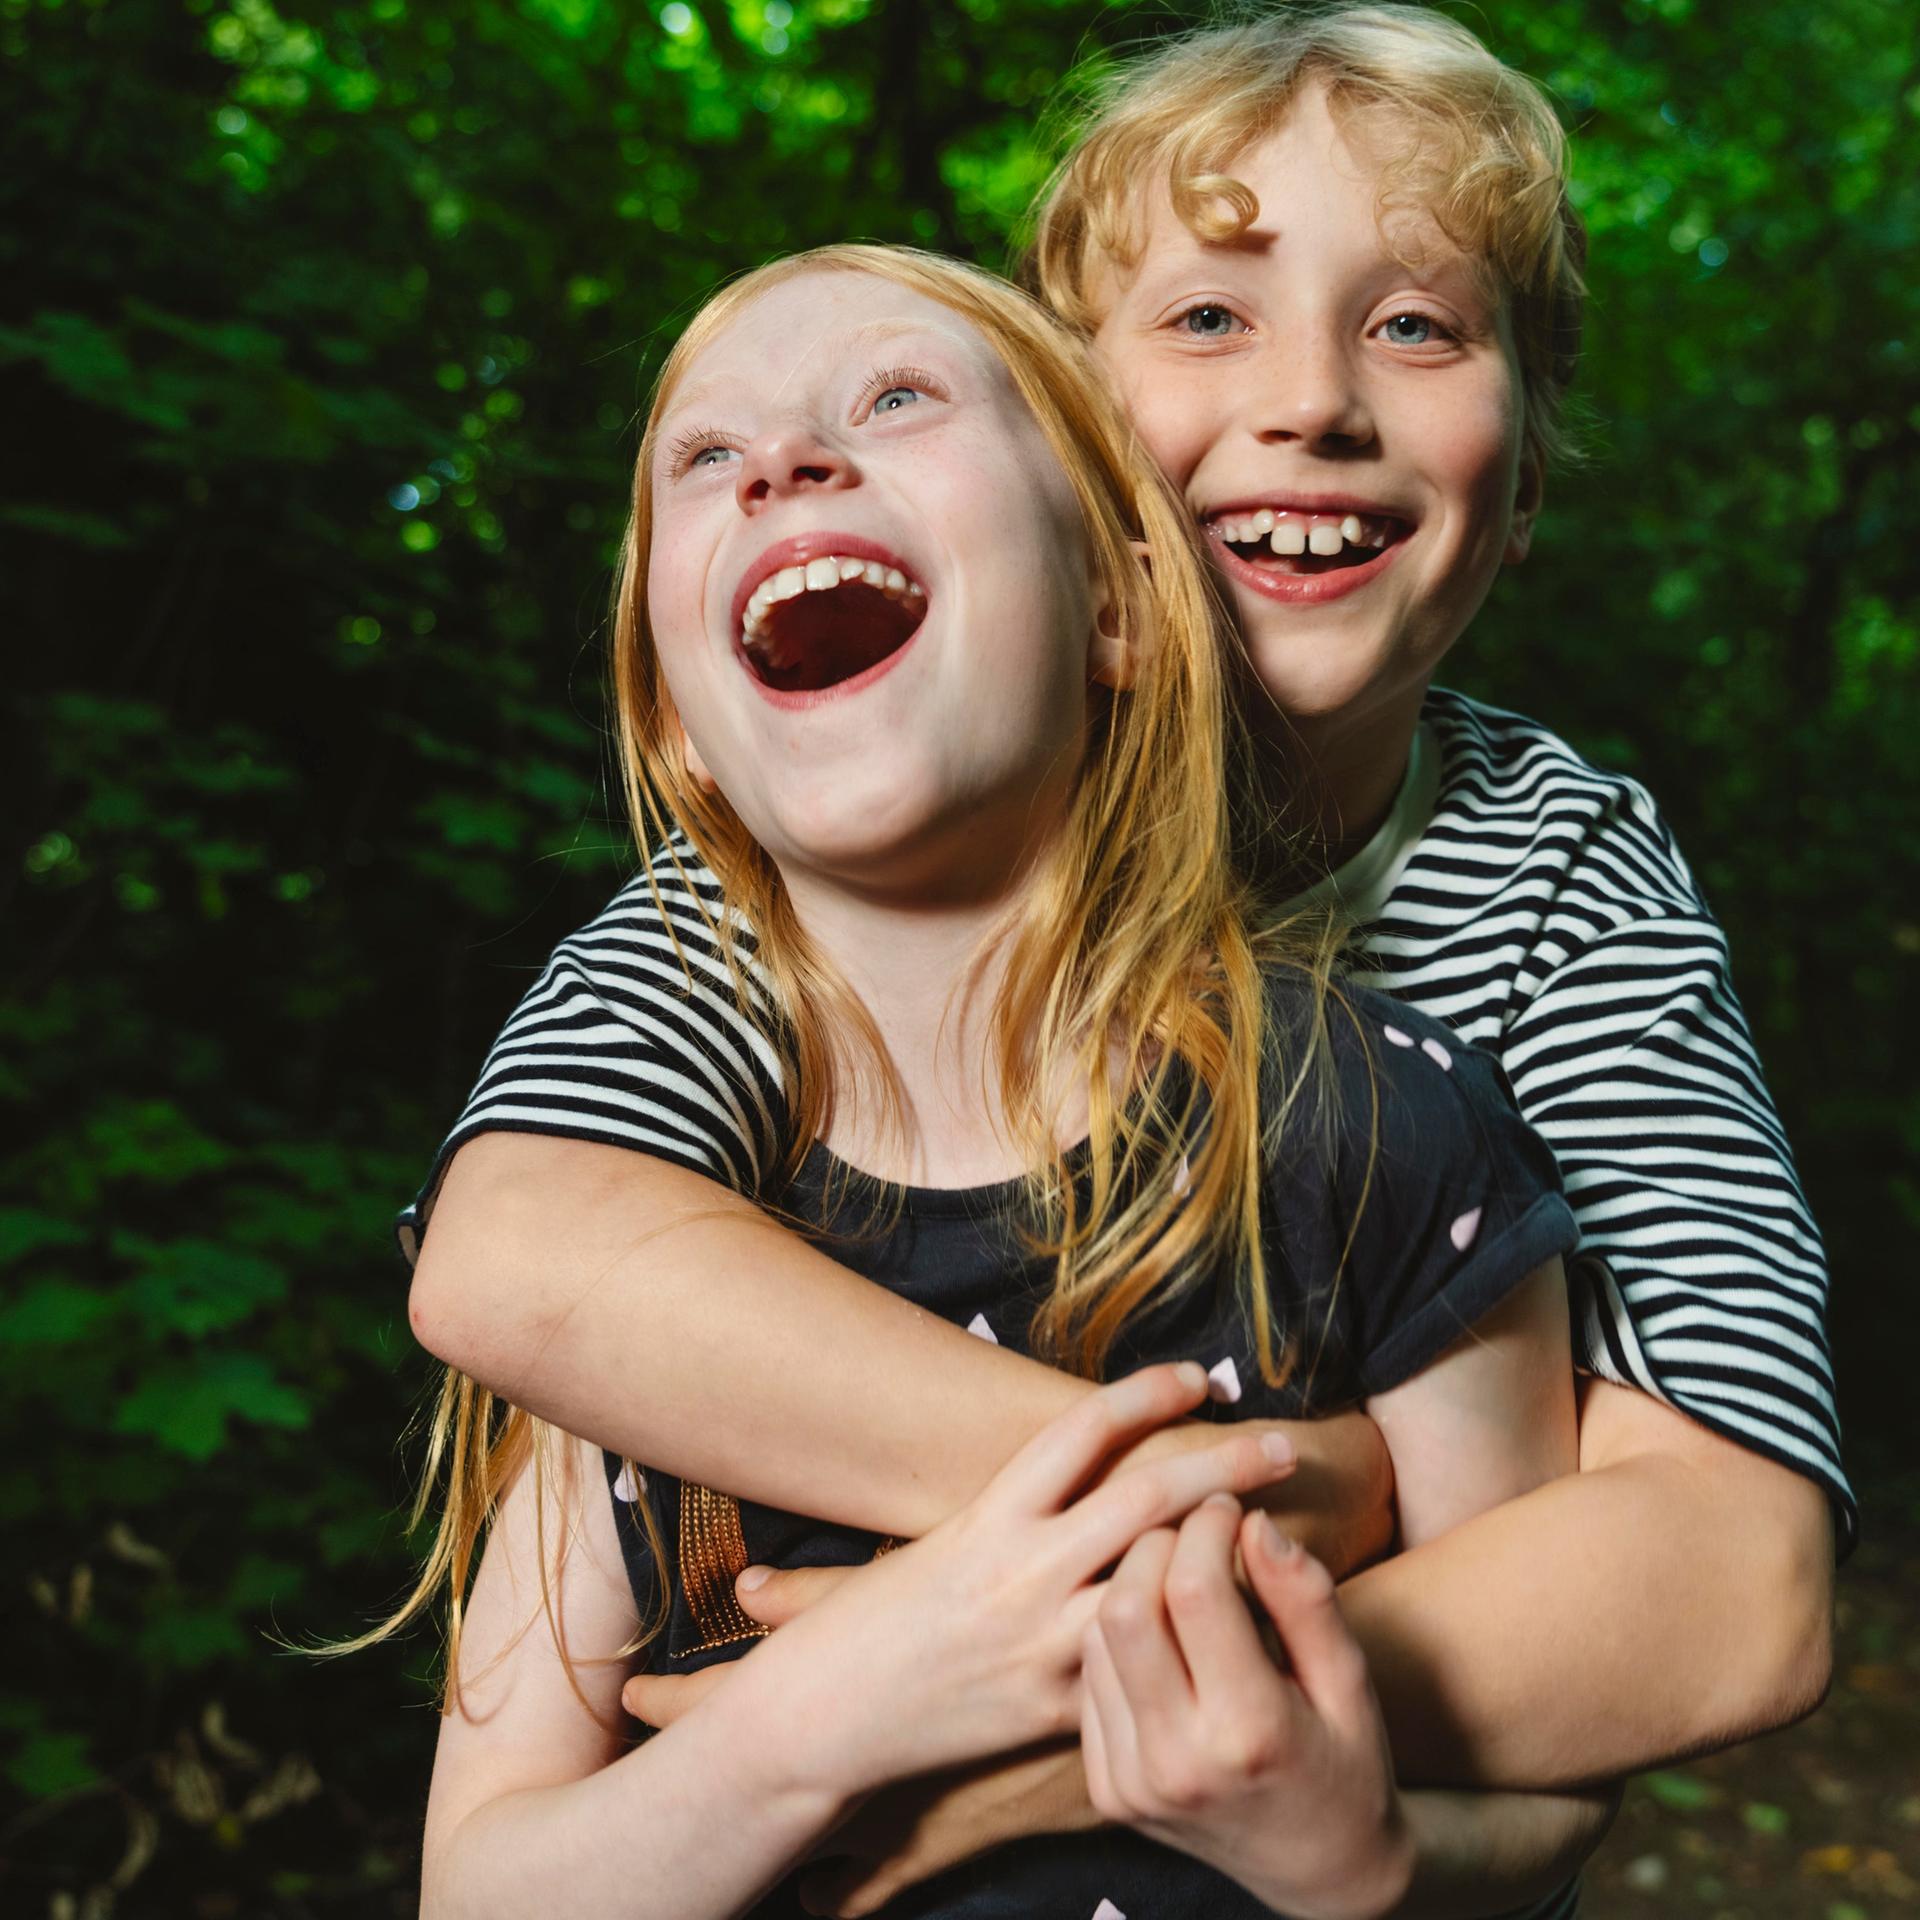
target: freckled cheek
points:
(675, 614)
(1175, 426)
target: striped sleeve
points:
(1701, 1277)
(637, 1034)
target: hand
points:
(967, 1643)
(1339, 1504)
(908, 1833)
(770, 1595)
(1192, 1734)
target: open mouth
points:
(818, 625)
(1285, 543)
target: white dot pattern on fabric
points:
(1223, 1381)
(1464, 1230)
(1438, 1054)
(1106, 1910)
(978, 1326)
(1398, 1038)
(630, 1485)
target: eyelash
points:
(1203, 306)
(1446, 334)
(890, 377)
(687, 445)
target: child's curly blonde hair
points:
(1459, 135)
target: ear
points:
(696, 767)
(1112, 660)
(1527, 499)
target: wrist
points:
(1373, 1882)
(810, 1781)
(1396, 1868)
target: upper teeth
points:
(1288, 532)
(819, 576)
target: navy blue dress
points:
(1462, 1202)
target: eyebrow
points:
(867, 333)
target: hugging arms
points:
(1361, 444)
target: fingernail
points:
(1278, 1448)
(1192, 1375)
(1276, 1543)
(752, 1577)
(1222, 1501)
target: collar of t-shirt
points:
(1363, 883)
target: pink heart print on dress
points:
(1223, 1381)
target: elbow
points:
(1792, 1638)
(1802, 1673)
(469, 1303)
(434, 1313)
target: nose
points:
(789, 460)
(1313, 398)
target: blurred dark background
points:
(323, 331)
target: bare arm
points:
(1475, 1850)
(959, 1646)
(538, 1803)
(1700, 1577)
(657, 1310)
(657, 1313)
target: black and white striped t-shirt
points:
(1537, 906)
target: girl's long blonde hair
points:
(1129, 969)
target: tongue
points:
(824, 638)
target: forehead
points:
(812, 323)
(1325, 182)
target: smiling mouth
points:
(810, 627)
(1289, 543)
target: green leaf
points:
(25, 1230)
(1680, 1792)
(186, 1406)
(49, 1763)
(152, 1141)
(51, 1313)
(196, 1287)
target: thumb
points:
(1297, 1593)
(775, 1595)
(659, 1699)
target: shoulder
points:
(1516, 785)
(1378, 1087)
(1413, 1174)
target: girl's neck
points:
(929, 975)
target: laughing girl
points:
(920, 651)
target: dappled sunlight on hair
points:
(1457, 135)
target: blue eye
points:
(710, 456)
(1209, 321)
(1409, 330)
(894, 398)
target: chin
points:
(1311, 683)
(851, 834)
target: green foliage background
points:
(322, 335)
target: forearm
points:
(1664, 1601)
(657, 1314)
(637, 1837)
(1474, 1853)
